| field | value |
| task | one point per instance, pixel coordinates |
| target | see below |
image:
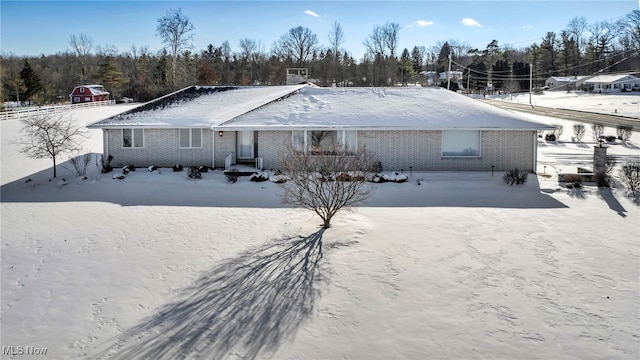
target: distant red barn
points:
(88, 93)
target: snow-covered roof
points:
(611, 78)
(198, 106)
(95, 89)
(380, 108)
(566, 78)
(308, 107)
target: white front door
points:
(244, 141)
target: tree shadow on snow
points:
(243, 307)
(168, 188)
(610, 199)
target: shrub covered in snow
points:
(232, 176)
(629, 174)
(106, 167)
(515, 177)
(396, 177)
(259, 177)
(177, 168)
(194, 172)
(152, 168)
(278, 177)
(574, 181)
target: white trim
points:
(534, 166)
(105, 135)
(213, 149)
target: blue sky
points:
(31, 28)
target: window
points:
(82, 90)
(317, 142)
(320, 142)
(463, 143)
(190, 138)
(132, 138)
(298, 140)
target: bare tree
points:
(630, 25)
(298, 43)
(17, 84)
(81, 45)
(624, 133)
(176, 31)
(327, 182)
(596, 131)
(50, 135)
(578, 132)
(576, 28)
(336, 38)
(250, 51)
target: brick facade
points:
(161, 148)
(395, 149)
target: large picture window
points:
(190, 138)
(132, 138)
(461, 143)
(317, 142)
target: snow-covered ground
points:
(447, 265)
(622, 104)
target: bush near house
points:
(515, 177)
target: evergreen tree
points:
(30, 81)
(111, 76)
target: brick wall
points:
(161, 148)
(396, 150)
(270, 145)
(224, 145)
(422, 149)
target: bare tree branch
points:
(329, 182)
(50, 135)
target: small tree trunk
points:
(54, 166)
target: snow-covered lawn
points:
(462, 266)
(622, 104)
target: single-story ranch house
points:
(564, 82)
(613, 83)
(419, 128)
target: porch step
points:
(240, 172)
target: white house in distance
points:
(613, 83)
(425, 129)
(564, 82)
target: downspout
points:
(535, 152)
(105, 133)
(213, 148)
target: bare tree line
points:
(579, 49)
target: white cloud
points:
(527, 26)
(423, 23)
(470, 22)
(311, 13)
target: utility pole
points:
(449, 72)
(530, 83)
